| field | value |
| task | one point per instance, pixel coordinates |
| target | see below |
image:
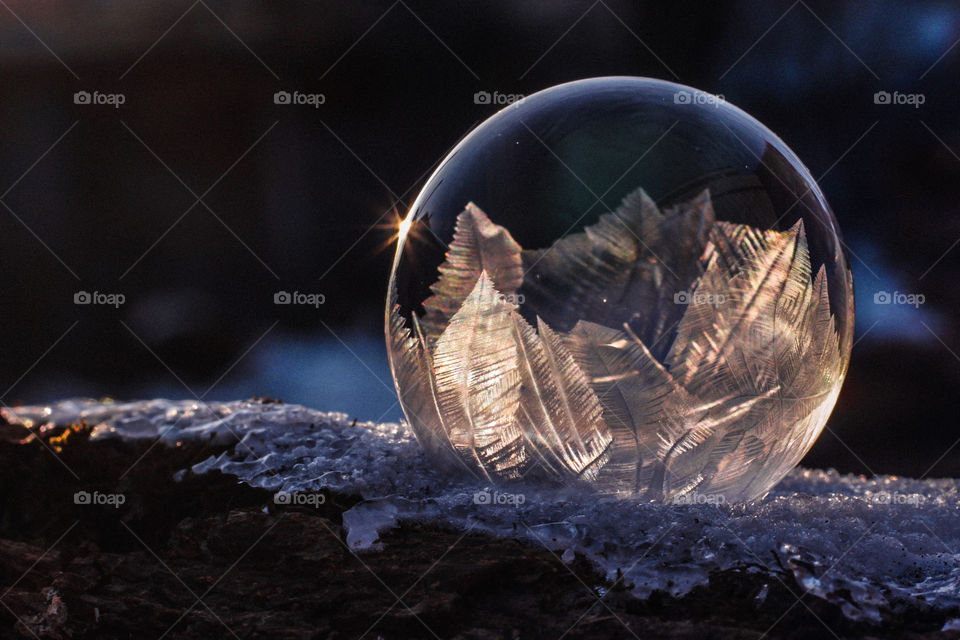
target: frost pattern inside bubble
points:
(714, 378)
(615, 286)
(871, 546)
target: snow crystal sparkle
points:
(626, 283)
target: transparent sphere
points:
(623, 283)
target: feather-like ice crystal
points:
(750, 376)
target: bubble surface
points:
(622, 283)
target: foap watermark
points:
(85, 498)
(115, 100)
(912, 99)
(114, 300)
(895, 497)
(299, 499)
(898, 297)
(697, 97)
(309, 299)
(496, 98)
(695, 298)
(299, 98)
(700, 498)
(499, 498)
(516, 299)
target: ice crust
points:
(871, 545)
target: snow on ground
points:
(871, 545)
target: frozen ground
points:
(873, 546)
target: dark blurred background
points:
(198, 198)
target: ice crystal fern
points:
(717, 387)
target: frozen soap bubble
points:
(623, 283)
